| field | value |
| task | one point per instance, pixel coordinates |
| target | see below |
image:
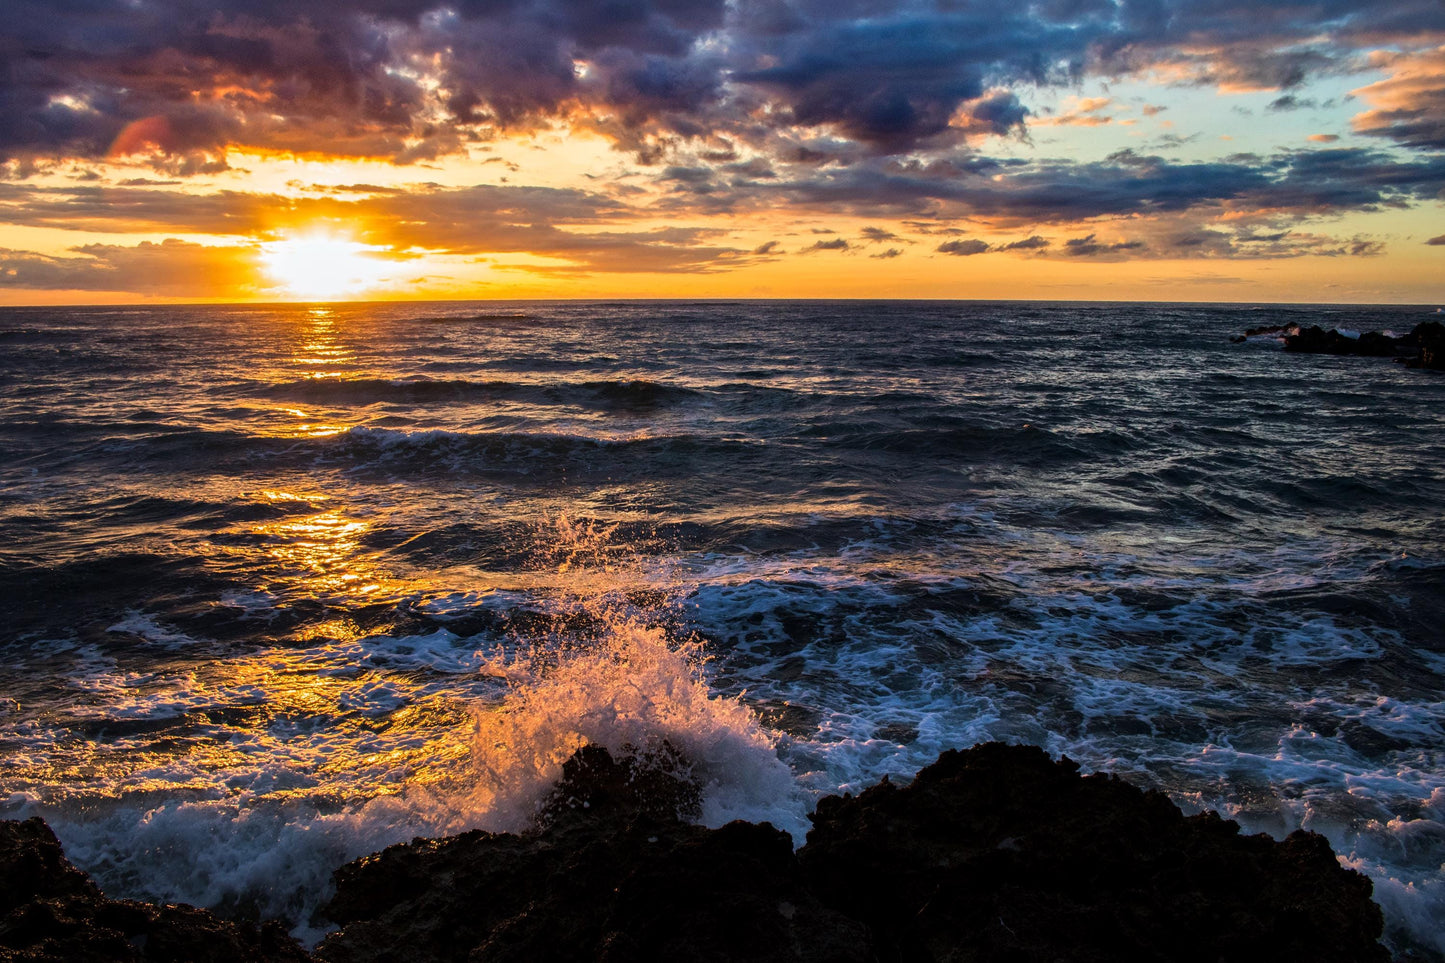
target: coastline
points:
(991, 853)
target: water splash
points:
(617, 669)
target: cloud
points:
(1437, 240)
(837, 244)
(1291, 102)
(1089, 247)
(1031, 243)
(170, 267)
(1408, 106)
(891, 252)
(178, 83)
(878, 235)
(963, 247)
(1081, 112)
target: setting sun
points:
(321, 267)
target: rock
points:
(1377, 344)
(1316, 340)
(995, 853)
(1423, 347)
(613, 874)
(51, 911)
(999, 853)
(1270, 329)
(1428, 338)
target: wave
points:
(604, 394)
(1025, 444)
(483, 318)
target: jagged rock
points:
(1316, 340)
(1428, 337)
(1377, 344)
(999, 853)
(1423, 347)
(614, 876)
(51, 912)
(995, 853)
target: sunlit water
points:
(281, 586)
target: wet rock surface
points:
(999, 853)
(1423, 347)
(615, 875)
(51, 911)
(992, 853)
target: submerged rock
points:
(51, 911)
(993, 853)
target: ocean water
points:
(282, 585)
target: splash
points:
(617, 669)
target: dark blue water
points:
(281, 585)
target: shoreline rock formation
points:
(1423, 347)
(992, 853)
(51, 911)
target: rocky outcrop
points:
(994, 853)
(1429, 341)
(999, 853)
(51, 911)
(1423, 347)
(615, 876)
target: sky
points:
(281, 150)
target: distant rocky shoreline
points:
(992, 853)
(1423, 347)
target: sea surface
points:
(282, 585)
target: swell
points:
(604, 394)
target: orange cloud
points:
(1408, 106)
(139, 136)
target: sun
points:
(322, 267)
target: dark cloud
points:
(1031, 243)
(1089, 247)
(1127, 184)
(1437, 240)
(181, 81)
(963, 247)
(1291, 102)
(878, 235)
(891, 252)
(837, 244)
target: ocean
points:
(282, 585)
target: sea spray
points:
(617, 671)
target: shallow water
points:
(282, 585)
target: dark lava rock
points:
(1281, 329)
(1316, 340)
(996, 853)
(51, 911)
(613, 876)
(999, 853)
(1423, 347)
(1428, 338)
